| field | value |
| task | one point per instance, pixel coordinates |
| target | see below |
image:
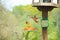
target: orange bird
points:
(29, 27)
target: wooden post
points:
(45, 14)
(44, 33)
(44, 29)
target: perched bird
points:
(29, 27)
(35, 19)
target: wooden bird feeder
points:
(52, 3)
(45, 6)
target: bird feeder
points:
(52, 3)
(45, 6)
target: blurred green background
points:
(13, 22)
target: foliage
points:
(13, 23)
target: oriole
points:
(28, 26)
